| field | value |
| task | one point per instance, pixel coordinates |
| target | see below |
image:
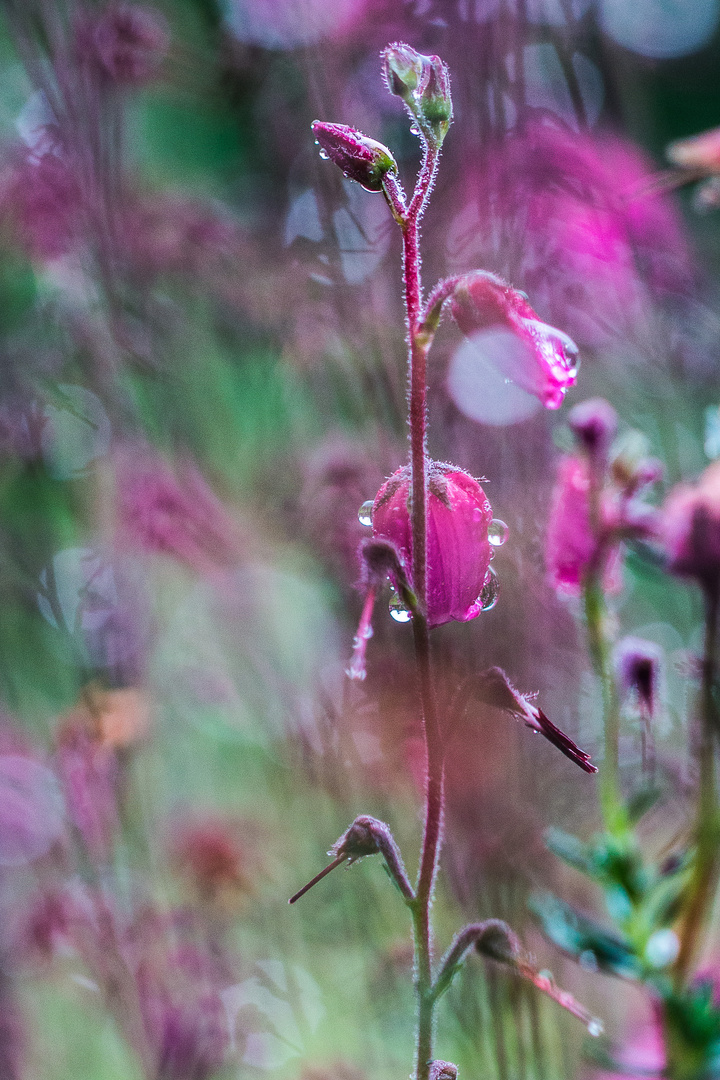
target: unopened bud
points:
(402, 69)
(360, 158)
(443, 1070)
(423, 83)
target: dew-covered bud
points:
(423, 83)
(402, 69)
(459, 548)
(594, 425)
(638, 663)
(360, 158)
(443, 1070)
(549, 364)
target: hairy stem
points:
(432, 836)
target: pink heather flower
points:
(571, 546)
(458, 548)
(689, 527)
(549, 368)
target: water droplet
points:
(365, 512)
(324, 155)
(489, 595)
(498, 532)
(398, 611)
(414, 130)
(595, 1027)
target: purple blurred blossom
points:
(689, 527)
(126, 43)
(89, 774)
(590, 232)
(44, 199)
(183, 1012)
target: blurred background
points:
(202, 378)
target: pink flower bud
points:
(360, 158)
(689, 526)
(458, 545)
(482, 300)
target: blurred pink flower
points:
(571, 544)
(689, 527)
(126, 43)
(593, 238)
(173, 512)
(89, 773)
(549, 366)
(183, 1012)
(44, 200)
(458, 547)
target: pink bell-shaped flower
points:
(549, 367)
(459, 548)
(461, 536)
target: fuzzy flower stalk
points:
(433, 533)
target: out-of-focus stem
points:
(706, 865)
(599, 649)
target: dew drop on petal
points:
(324, 155)
(497, 532)
(595, 1027)
(365, 513)
(414, 130)
(489, 595)
(398, 611)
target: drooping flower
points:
(548, 367)
(458, 545)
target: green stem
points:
(706, 866)
(599, 648)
